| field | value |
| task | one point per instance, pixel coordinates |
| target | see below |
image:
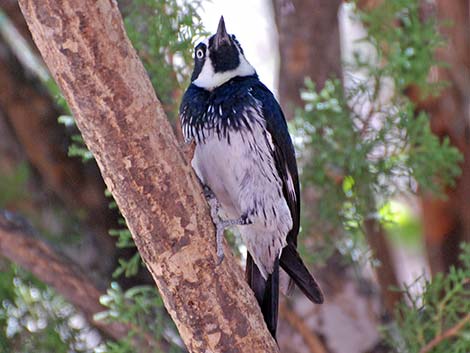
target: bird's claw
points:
(185, 143)
(208, 194)
(219, 237)
(220, 258)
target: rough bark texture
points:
(309, 46)
(85, 47)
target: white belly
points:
(243, 177)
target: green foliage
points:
(363, 144)
(33, 318)
(55, 92)
(402, 224)
(404, 41)
(352, 164)
(128, 267)
(142, 309)
(444, 304)
(358, 149)
(434, 163)
(77, 147)
(164, 33)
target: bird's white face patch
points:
(208, 79)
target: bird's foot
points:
(187, 149)
(208, 193)
(185, 143)
(219, 239)
(220, 226)
(213, 204)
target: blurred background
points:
(377, 95)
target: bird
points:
(245, 160)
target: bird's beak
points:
(221, 37)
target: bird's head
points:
(218, 59)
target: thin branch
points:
(451, 332)
(310, 338)
(19, 243)
(386, 274)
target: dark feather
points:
(254, 278)
(266, 292)
(284, 157)
(284, 153)
(295, 268)
(226, 104)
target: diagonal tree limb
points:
(19, 244)
(31, 116)
(87, 51)
(449, 333)
(310, 338)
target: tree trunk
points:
(309, 46)
(450, 115)
(446, 222)
(85, 47)
(31, 115)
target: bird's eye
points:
(199, 53)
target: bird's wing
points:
(284, 155)
(286, 165)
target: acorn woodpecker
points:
(245, 160)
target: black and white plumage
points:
(245, 159)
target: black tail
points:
(266, 292)
(295, 268)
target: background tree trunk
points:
(447, 222)
(85, 47)
(30, 118)
(309, 45)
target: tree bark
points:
(385, 272)
(446, 221)
(85, 47)
(309, 46)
